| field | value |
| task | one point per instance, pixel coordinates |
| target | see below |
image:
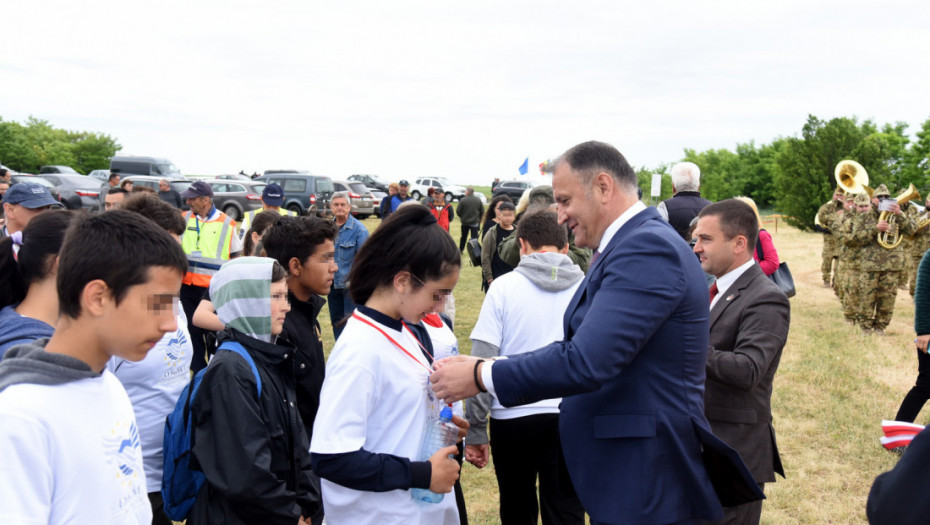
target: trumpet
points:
(890, 239)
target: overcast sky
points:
(466, 90)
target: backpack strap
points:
(759, 251)
(234, 346)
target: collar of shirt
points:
(212, 216)
(726, 280)
(618, 223)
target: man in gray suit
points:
(749, 318)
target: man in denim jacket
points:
(352, 234)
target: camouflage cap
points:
(861, 199)
(881, 191)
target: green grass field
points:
(833, 388)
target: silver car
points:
(363, 202)
(236, 197)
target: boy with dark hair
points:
(68, 437)
(492, 266)
(523, 311)
(305, 247)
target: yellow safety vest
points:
(206, 245)
(250, 216)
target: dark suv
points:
(372, 181)
(303, 191)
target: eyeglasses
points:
(439, 296)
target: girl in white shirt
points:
(376, 400)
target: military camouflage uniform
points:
(828, 216)
(908, 245)
(850, 267)
(881, 268)
(920, 243)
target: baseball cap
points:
(403, 182)
(273, 195)
(29, 195)
(197, 189)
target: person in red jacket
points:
(440, 209)
(765, 253)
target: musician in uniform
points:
(827, 215)
(881, 265)
(907, 244)
(920, 243)
(842, 229)
(853, 248)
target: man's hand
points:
(894, 208)
(883, 226)
(463, 427)
(922, 341)
(454, 378)
(477, 455)
(445, 470)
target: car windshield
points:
(36, 180)
(180, 186)
(358, 187)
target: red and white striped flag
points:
(898, 433)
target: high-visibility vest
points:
(250, 216)
(206, 245)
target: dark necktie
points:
(713, 292)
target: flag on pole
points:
(525, 167)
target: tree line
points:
(794, 175)
(29, 146)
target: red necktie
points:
(595, 257)
(713, 291)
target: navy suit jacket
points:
(631, 371)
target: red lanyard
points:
(398, 345)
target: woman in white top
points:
(377, 401)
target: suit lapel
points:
(733, 292)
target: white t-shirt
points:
(518, 317)
(378, 398)
(70, 454)
(445, 344)
(154, 385)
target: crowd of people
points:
(106, 317)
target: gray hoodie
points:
(30, 363)
(552, 272)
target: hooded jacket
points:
(253, 451)
(18, 329)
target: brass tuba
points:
(890, 239)
(851, 176)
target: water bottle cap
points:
(446, 413)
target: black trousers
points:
(919, 394)
(466, 229)
(158, 509)
(522, 449)
(190, 298)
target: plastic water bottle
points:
(439, 434)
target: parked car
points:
(101, 175)
(236, 197)
(68, 185)
(152, 166)
(234, 176)
(25, 177)
(57, 169)
(304, 192)
(373, 182)
(377, 197)
(513, 188)
(362, 201)
(152, 182)
(421, 186)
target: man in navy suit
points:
(631, 368)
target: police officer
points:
(272, 199)
(209, 240)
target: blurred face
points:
(3, 187)
(114, 181)
(200, 205)
(164, 186)
(506, 217)
(113, 200)
(577, 207)
(862, 208)
(403, 191)
(280, 306)
(18, 216)
(146, 313)
(716, 253)
(422, 298)
(838, 197)
(340, 209)
(315, 275)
